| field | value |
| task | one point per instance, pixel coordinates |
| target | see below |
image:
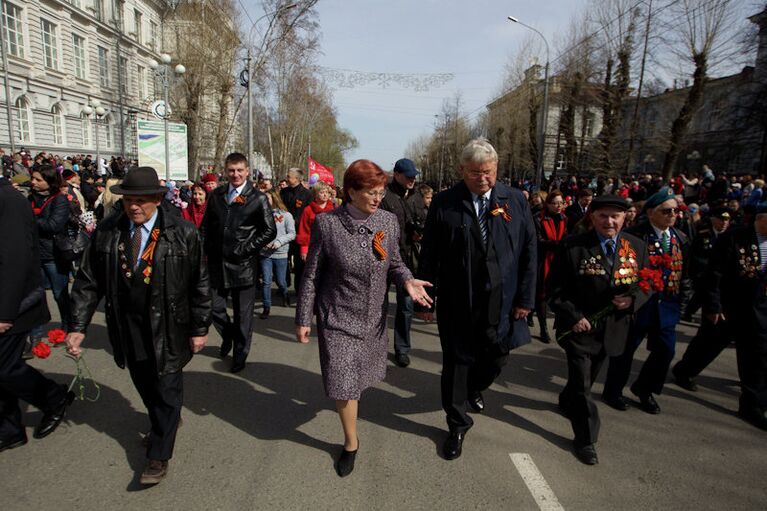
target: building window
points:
(124, 75)
(104, 66)
(76, 3)
(85, 129)
(141, 82)
(58, 125)
(14, 29)
(98, 9)
(589, 128)
(22, 120)
(50, 42)
(154, 43)
(108, 131)
(138, 20)
(78, 46)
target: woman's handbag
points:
(71, 243)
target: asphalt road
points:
(267, 439)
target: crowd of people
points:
(615, 261)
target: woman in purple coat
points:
(353, 255)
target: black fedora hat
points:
(139, 181)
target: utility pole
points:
(250, 109)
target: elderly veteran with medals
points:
(149, 268)
(592, 275)
(735, 300)
(658, 318)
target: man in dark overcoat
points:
(238, 223)
(591, 272)
(479, 251)
(22, 307)
(148, 265)
(658, 318)
(736, 297)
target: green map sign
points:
(151, 148)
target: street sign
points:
(151, 148)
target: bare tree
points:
(705, 34)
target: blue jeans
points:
(56, 277)
(278, 268)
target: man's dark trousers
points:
(21, 381)
(238, 331)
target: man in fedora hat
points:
(148, 266)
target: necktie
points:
(665, 242)
(135, 245)
(232, 195)
(482, 217)
(610, 251)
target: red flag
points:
(324, 174)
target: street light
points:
(95, 107)
(162, 70)
(249, 74)
(541, 148)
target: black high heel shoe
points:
(345, 464)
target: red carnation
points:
(56, 336)
(644, 286)
(41, 350)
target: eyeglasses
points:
(376, 195)
(669, 211)
(480, 173)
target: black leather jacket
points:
(234, 235)
(180, 303)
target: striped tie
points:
(482, 217)
(610, 251)
(665, 242)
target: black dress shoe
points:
(586, 454)
(453, 445)
(476, 402)
(345, 463)
(647, 403)
(285, 299)
(14, 441)
(620, 403)
(683, 381)
(754, 416)
(402, 359)
(265, 313)
(237, 366)
(53, 418)
(226, 347)
(544, 338)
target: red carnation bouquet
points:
(56, 337)
(647, 280)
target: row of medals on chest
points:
(625, 274)
(749, 262)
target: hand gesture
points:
(715, 318)
(622, 302)
(417, 291)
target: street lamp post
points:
(95, 107)
(162, 69)
(544, 122)
(249, 75)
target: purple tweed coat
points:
(345, 283)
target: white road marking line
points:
(535, 482)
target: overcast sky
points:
(471, 39)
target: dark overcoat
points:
(20, 275)
(179, 296)
(451, 246)
(582, 283)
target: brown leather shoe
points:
(154, 472)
